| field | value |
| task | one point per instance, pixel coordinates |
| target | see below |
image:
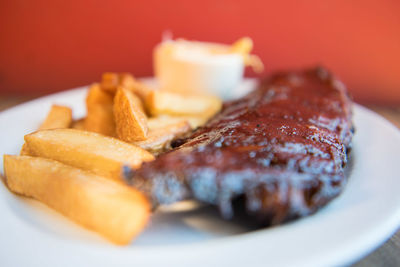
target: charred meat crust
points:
(282, 148)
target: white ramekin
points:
(198, 67)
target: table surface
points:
(386, 255)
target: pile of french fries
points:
(76, 166)
(121, 106)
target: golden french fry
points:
(197, 121)
(58, 117)
(25, 150)
(164, 102)
(109, 82)
(78, 124)
(126, 80)
(243, 46)
(116, 211)
(100, 116)
(160, 138)
(163, 120)
(140, 89)
(254, 62)
(130, 119)
(112, 80)
(89, 151)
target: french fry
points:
(78, 124)
(139, 88)
(109, 81)
(100, 116)
(160, 137)
(58, 117)
(127, 81)
(164, 102)
(197, 121)
(115, 211)
(162, 120)
(130, 119)
(89, 151)
(243, 46)
(25, 150)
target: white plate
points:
(366, 214)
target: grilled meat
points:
(282, 148)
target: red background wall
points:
(51, 45)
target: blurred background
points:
(48, 46)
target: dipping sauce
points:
(202, 67)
